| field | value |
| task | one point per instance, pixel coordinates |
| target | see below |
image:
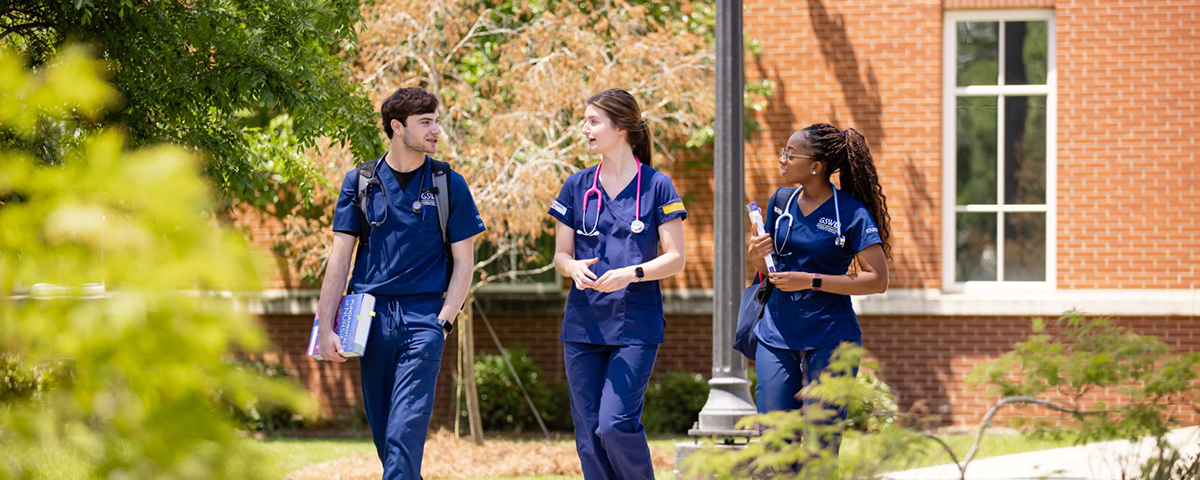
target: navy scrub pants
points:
(781, 375)
(399, 372)
(607, 385)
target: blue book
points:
(352, 326)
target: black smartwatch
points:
(816, 282)
(447, 326)
(639, 273)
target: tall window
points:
(999, 138)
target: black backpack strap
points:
(366, 180)
(441, 194)
(774, 202)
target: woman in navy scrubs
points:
(612, 220)
(816, 231)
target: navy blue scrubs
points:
(800, 330)
(404, 266)
(610, 340)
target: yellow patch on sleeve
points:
(672, 208)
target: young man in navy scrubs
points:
(402, 261)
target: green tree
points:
(105, 258)
(211, 75)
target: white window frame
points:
(950, 93)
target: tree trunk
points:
(466, 329)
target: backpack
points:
(441, 196)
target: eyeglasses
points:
(785, 155)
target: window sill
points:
(1031, 302)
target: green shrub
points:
(256, 416)
(673, 403)
(557, 412)
(870, 412)
(17, 380)
(501, 403)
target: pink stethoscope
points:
(636, 226)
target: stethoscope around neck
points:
(636, 226)
(840, 240)
(417, 206)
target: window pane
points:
(1025, 150)
(1025, 46)
(978, 53)
(975, 254)
(1025, 247)
(976, 153)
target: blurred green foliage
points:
(107, 258)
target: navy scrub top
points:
(405, 255)
(633, 315)
(808, 320)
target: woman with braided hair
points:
(816, 231)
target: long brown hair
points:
(847, 151)
(623, 110)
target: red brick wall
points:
(873, 66)
(688, 348)
(1127, 85)
(927, 358)
(923, 358)
(1129, 96)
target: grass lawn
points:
(292, 454)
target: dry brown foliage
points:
(512, 125)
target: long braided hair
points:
(847, 151)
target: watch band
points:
(639, 273)
(816, 282)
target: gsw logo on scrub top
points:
(828, 225)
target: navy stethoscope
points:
(636, 226)
(417, 207)
(840, 241)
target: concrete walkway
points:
(1098, 461)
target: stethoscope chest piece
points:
(417, 206)
(637, 226)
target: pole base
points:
(728, 402)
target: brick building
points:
(1037, 156)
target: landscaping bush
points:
(501, 403)
(256, 416)
(17, 381)
(673, 402)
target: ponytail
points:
(623, 110)
(641, 142)
(847, 151)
